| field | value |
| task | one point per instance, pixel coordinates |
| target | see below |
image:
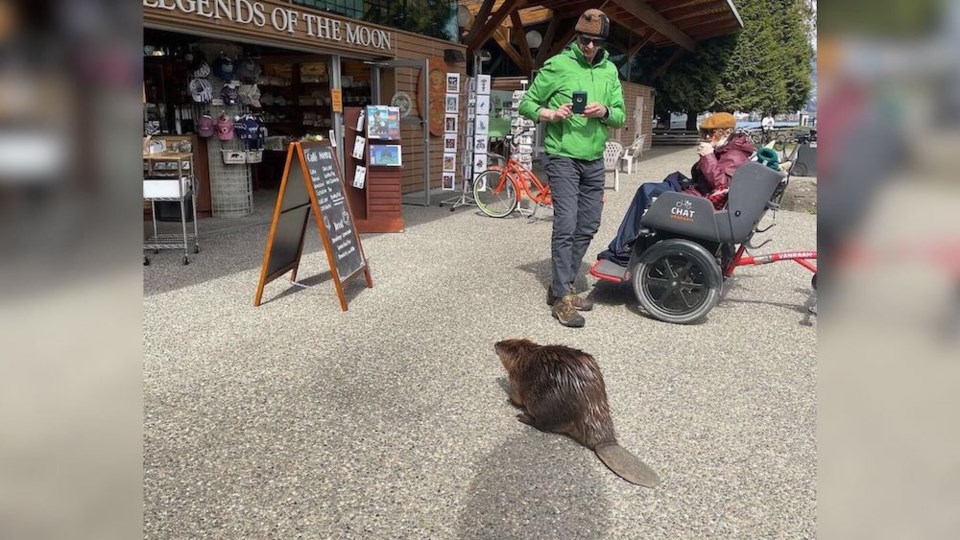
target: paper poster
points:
(450, 163)
(360, 177)
(483, 125)
(453, 83)
(453, 104)
(450, 124)
(358, 147)
(449, 142)
(479, 163)
(360, 120)
(483, 105)
(480, 146)
(386, 155)
(483, 85)
(449, 181)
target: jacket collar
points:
(577, 55)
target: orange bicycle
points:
(498, 189)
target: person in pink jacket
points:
(722, 151)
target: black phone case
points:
(579, 102)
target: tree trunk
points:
(692, 120)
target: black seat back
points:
(751, 189)
(682, 214)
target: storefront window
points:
(346, 8)
(428, 17)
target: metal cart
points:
(170, 177)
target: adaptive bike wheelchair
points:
(686, 248)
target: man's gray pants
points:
(577, 190)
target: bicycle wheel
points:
(495, 193)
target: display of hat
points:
(719, 120)
(225, 128)
(248, 129)
(250, 95)
(201, 89)
(249, 71)
(205, 126)
(202, 71)
(594, 22)
(223, 68)
(230, 95)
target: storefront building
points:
(281, 71)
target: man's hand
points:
(595, 110)
(704, 148)
(562, 113)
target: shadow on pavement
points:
(542, 270)
(536, 485)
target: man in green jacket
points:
(574, 144)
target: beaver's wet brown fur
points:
(562, 391)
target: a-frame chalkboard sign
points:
(312, 181)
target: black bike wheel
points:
(677, 281)
(496, 195)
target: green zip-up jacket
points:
(576, 137)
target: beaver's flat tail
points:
(627, 466)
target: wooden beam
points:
(500, 36)
(479, 20)
(641, 44)
(547, 41)
(640, 10)
(487, 29)
(673, 58)
(520, 38)
(563, 41)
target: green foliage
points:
(764, 68)
(428, 17)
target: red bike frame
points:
(802, 258)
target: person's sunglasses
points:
(585, 41)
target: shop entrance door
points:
(409, 85)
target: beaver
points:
(562, 391)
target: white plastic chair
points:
(611, 161)
(632, 153)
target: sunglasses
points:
(585, 41)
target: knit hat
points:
(205, 126)
(719, 121)
(593, 22)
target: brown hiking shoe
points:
(581, 303)
(566, 313)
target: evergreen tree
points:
(763, 68)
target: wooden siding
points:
(627, 134)
(413, 47)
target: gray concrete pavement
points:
(390, 420)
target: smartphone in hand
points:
(579, 102)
